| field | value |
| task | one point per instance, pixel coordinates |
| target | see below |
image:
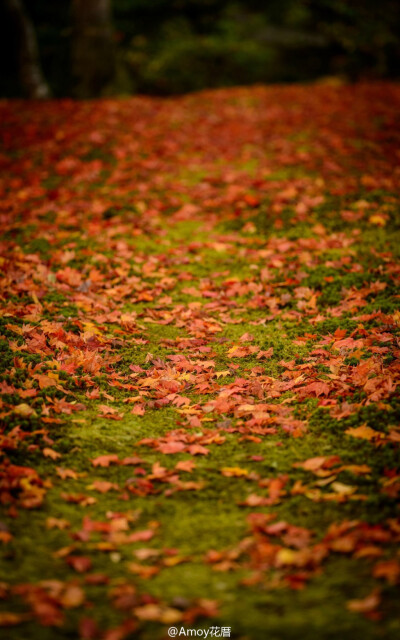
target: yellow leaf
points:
(149, 612)
(234, 472)
(24, 410)
(171, 616)
(285, 557)
(89, 327)
(172, 561)
(377, 219)
(364, 431)
(343, 489)
(396, 318)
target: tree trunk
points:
(92, 47)
(30, 73)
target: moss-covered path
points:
(200, 357)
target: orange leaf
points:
(65, 474)
(171, 447)
(103, 486)
(57, 523)
(8, 619)
(185, 465)
(49, 453)
(365, 605)
(72, 597)
(364, 432)
(105, 461)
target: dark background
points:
(165, 47)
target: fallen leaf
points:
(50, 453)
(234, 472)
(367, 604)
(81, 564)
(364, 432)
(105, 461)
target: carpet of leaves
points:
(199, 364)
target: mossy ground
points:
(199, 276)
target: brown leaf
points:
(81, 564)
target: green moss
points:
(211, 514)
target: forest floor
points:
(200, 354)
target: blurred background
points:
(89, 48)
